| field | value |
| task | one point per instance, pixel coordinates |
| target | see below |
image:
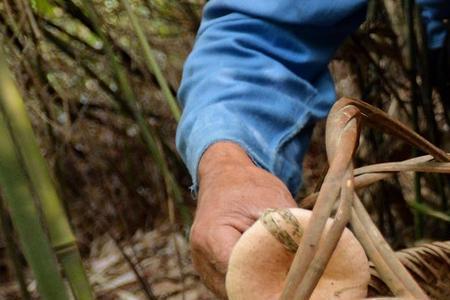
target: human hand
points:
(233, 194)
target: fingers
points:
(232, 196)
(224, 239)
(211, 249)
(213, 279)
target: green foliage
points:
(43, 7)
(21, 202)
(76, 60)
(41, 185)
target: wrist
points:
(222, 156)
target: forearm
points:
(222, 156)
(258, 77)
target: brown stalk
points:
(342, 135)
(368, 175)
(412, 289)
(386, 273)
(360, 181)
(386, 252)
(346, 139)
(317, 266)
(380, 120)
(430, 167)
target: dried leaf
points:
(430, 266)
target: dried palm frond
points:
(430, 266)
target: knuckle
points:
(197, 238)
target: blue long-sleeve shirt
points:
(258, 76)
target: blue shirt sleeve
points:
(434, 12)
(258, 76)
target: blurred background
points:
(98, 79)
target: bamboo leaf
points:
(150, 61)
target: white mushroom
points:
(261, 259)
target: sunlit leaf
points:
(42, 7)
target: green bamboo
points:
(41, 184)
(148, 134)
(24, 214)
(150, 61)
(11, 250)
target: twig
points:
(386, 252)
(346, 140)
(317, 266)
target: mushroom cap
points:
(259, 262)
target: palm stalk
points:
(130, 103)
(427, 102)
(412, 51)
(150, 61)
(41, 184)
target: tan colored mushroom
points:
(261, 259)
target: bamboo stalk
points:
(34, 61)
(41, 184)
(150, 61)
(24, 214)
(12, 251)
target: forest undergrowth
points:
(99, 92)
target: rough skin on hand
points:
(233, 194)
